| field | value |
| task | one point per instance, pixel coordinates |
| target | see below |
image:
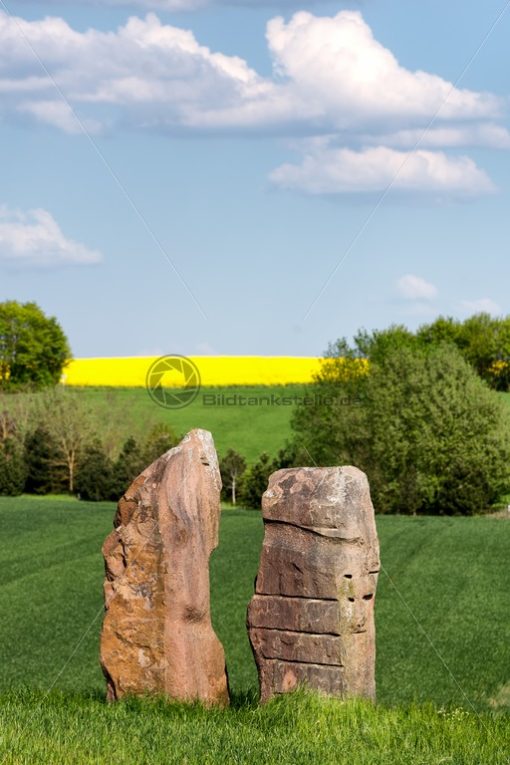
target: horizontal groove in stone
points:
(303, 663)
(296, 597)
(317, 531)
(298, 632)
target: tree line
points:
(55, 441)
(419, 412)
(482, 340)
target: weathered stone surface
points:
(157, 634)
(285, 676)
(305, 614)
(311, 619)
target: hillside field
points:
(250, 429)
(442, 638)
(249, 419)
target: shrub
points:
(255, 481)
(160, 439)
(428, 432)
(41, 459)
(12, 468)
(94, 476)
(483, 341)
(129, 464)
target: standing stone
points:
(157, 634)
(311, 620)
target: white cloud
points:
(342, 70)
(330, 73)
(35, 239)
(482, 134)
(344, 171)
(482, 305)
(412, 287)
(331, 77)
(59, 115)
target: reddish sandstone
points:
(157, 634)
(311, 620)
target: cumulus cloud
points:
(412, 287)
(487, 135)
(482, 305)
(330, 73)
(344, 171)
(59, 114)
(34, 239)
(343, 71)
(331, 78)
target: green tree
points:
(232, 469)
(161, 438)
(94, 475)
(428, 432)
(41, 456)
(33, 347)
(445, 329)
(483, 340)
(255, 481)
(377, 344)
(12, 467)
(129, 464)
(256, 478)
(70, 422)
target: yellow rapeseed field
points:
(213, 370)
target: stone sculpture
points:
(311, 620)
(157, 634)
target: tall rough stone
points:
(311, 620)
(157, 634)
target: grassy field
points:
(296, 730)
(249, 429)
(443, 639)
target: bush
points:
(483, 341)
(428, 432)
(12, 468)
(160, 439)
(255, 480)
(129, 464)
(41, 458)
(94, 476)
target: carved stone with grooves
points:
(311, 620)
(157, 634)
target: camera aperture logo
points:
(173, 381)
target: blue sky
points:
(202, 177)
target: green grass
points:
(297, 730)
(249, 430)
(443, 637)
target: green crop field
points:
(263, 425)
(250, 420)
(443, 637)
